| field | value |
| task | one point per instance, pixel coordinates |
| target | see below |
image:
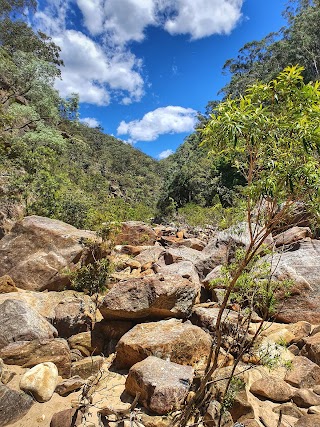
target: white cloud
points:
(123, 21)
(171, 119)
(91, 122)
(164, 154)
(52, 20)
(120, 20)
(93, 73)
(103, 68)
(202, 18)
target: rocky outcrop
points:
(13, 405)
(150, 297)
(40, 381)
(38, 250)
(19, 322)
(173, 340)
(162, 385)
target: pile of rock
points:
(157, 321)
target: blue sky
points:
(143, 68)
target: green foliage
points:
(236, 384)
(92, 278)
(297, 43)
(272, 136)
(216, 215)
(255, 289)
(192, 178)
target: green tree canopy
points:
(272, 136)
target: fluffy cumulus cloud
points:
(120, 20)
(93, 71)
(171, 119)
(91, 122)
(164, 154)
(99, 64)
(94, 74)
(126, 20)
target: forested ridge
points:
(57, 167)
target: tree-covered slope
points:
(51, 164)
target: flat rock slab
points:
(19, 322)
(38, 250)
(173, 340)
(162, 385)
(69, 385)
(13, 405)
(31, 353)
(154, 297)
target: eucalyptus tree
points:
(271, 135)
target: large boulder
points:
(40, 381)
(292, 235)
(150, 297)
(309, 420)
(86, 367)
(38, 250)
(150, 255)
(31, 353)
(135, 233)
(162, 385)
(272, 388)
(184, 269)
(69, 311)
(303, 373)
(13, 405)
(300, 266)
(173, 340)
(206, 317)
(67, 418)
(175, 255)
(221, 248)
(311, 348)
(306, 398)
(19, 322)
